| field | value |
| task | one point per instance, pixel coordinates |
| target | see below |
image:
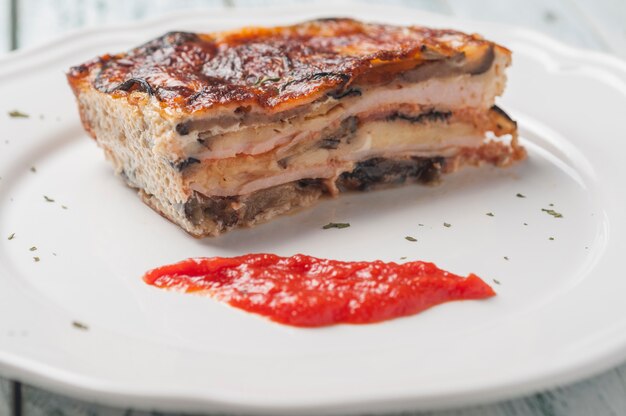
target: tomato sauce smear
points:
(307, 291)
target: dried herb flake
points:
(48, 199)
(490, 214)
(553, 213)
(506, 258)
(409, 238)
(12, 236)
(33, 248)
(33, 169)
(336, 225)
(445, 224)
(18, 114)
(36, 259)
(496, 281)
(520, 195)
(80, 325)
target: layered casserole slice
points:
(230, 129)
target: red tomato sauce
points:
(308, 292)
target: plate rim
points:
(55, 380)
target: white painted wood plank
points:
(40, 20)
(439, 6)
(37, 402)
(556, 18)
(608, 19)
(5, 396)
(436, 6)
(5, 27)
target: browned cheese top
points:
(273, 68)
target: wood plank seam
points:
(16, 404)
(13, 23)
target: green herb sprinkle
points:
(336, 225)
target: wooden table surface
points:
(592, 24)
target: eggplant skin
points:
(276, 67)
(224, 213)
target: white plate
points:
(560, 312)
